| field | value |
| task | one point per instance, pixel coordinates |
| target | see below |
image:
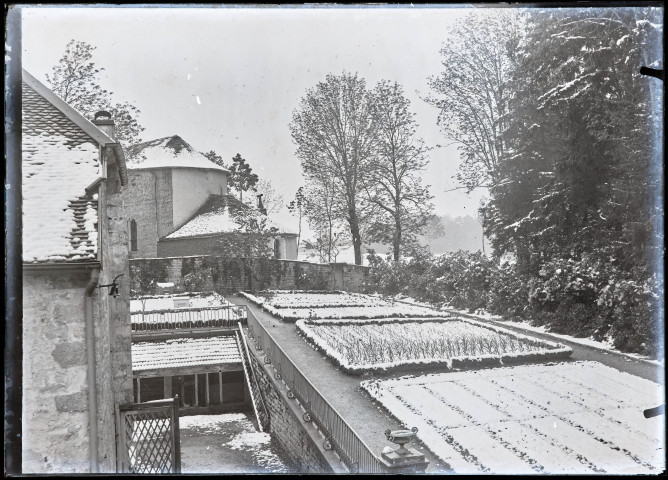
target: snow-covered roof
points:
(59, 160)
(217, 215)
(185, 352)
(168, 152)
(168, 302)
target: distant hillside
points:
(448, 235)
(458, 233)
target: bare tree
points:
(472, 91)
(322, 208)
(271, 199)
(75, 79)
(402, 204)
(335, 133)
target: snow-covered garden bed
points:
(296, 305)
(363, 345)
(563, 418)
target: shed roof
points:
(185, 352)
(168, 152)
(217, 215)
(152, 303)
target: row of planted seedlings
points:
(358, 346)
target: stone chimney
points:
(105, 123)
(260, 206)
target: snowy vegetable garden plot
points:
(563, 418)
(363, 345)
(295, 305)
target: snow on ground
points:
(369, 344)
(154, 303)
(556, 418)
(297, 305)
(604, 345)
(227, 443)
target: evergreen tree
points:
(242, 177)
(215, 158)
(574, 176)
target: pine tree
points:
(242, 177)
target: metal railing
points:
(189, 318)
(339, 436)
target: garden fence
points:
(189, 318)
(340, 436)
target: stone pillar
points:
(403, 460)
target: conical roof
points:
(168, 152)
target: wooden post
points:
(167, 387)
(138, 390)
(196, 392)
(206, 385)
(176, 447)
(121, 451)
(183, 390)
(246, 392)
(220, 386)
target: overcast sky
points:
(228, 79)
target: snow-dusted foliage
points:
(587, 296)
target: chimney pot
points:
(260, 206)
(105, 123)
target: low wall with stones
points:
(300, 440)
(226, 275)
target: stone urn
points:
(401, 438)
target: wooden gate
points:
(148, 437)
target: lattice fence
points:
(149, 437)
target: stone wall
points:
(148, 201)
(55, 390)
(113, 351)
(300, 440)
(211, 245)
(212, 273)
(56, 433)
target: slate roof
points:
(216, 216)
(168, 152)
(59, 160)
(185, 352)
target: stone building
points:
(178, 203)
(76, 336)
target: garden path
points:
(342, 391)
(624, 363)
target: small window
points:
(133, 236)
(277, 249)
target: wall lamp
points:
(113, 291)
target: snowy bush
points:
(585, 295)
(630, 309)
